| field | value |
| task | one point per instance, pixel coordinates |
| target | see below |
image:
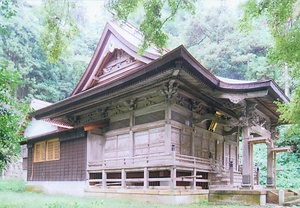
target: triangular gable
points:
(116, 54)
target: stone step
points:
(223, 187)
(292, 203)
(287, 192)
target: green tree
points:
(59, 27)
(213, 38)
(12, 112)
(21, 49)
(156, 14)
(283, 22)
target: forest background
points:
(214, 33)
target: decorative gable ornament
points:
(116, 55)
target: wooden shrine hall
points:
(154, 121)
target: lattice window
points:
(119, 124)
(39, 151)
(179, 118)
(53, 150)
(150, 117)
(47, 150)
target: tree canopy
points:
(156, 15)
(12, 112)
(284, 23)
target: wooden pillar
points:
(246, 158)
(281, 197)
(146, 178)
(194, 185)
(257, 176)
(173, 177)
(274, 171)
(193, 141)
(231, 172)
(251, 166)
(123, 177)
(131, 137)
(104, 177)
(168, 129)
(270, 169)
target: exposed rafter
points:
(238, 97)
(281, 149)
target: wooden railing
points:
(194, 161)
(156, 160)
(137, 161)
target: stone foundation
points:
(75, 188)
(151, 195)
(248, 197)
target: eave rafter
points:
(238, 97)
(261, 131)
(259, 140)
(281, 149)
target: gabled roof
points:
(37, 104)
(116, 38)
(191, 66)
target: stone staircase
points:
(291, 198)
(220, 180)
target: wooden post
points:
(123, 176)
(104, 176)
(173, 154)
(173, 168)
(193, 141)
(231, 172)
(146, 177)
(131, 137)
(257, 175)
(173, 177)
(246, 158)
(281, 197)
(274, 171)
(251, 166)
(168, 129)
(194, 185)
(270, 158)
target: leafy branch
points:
(152, 24)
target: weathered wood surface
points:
(156, 160)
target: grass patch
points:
(12, 195)
(9, 199)
(16, 185)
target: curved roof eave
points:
(241, 85)
(179, 53)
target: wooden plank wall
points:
(70, 167)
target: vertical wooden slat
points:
(123, 178)
(146, 177)
(39, 151)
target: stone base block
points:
(247, 197)
(151, 196)
(75, 188)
